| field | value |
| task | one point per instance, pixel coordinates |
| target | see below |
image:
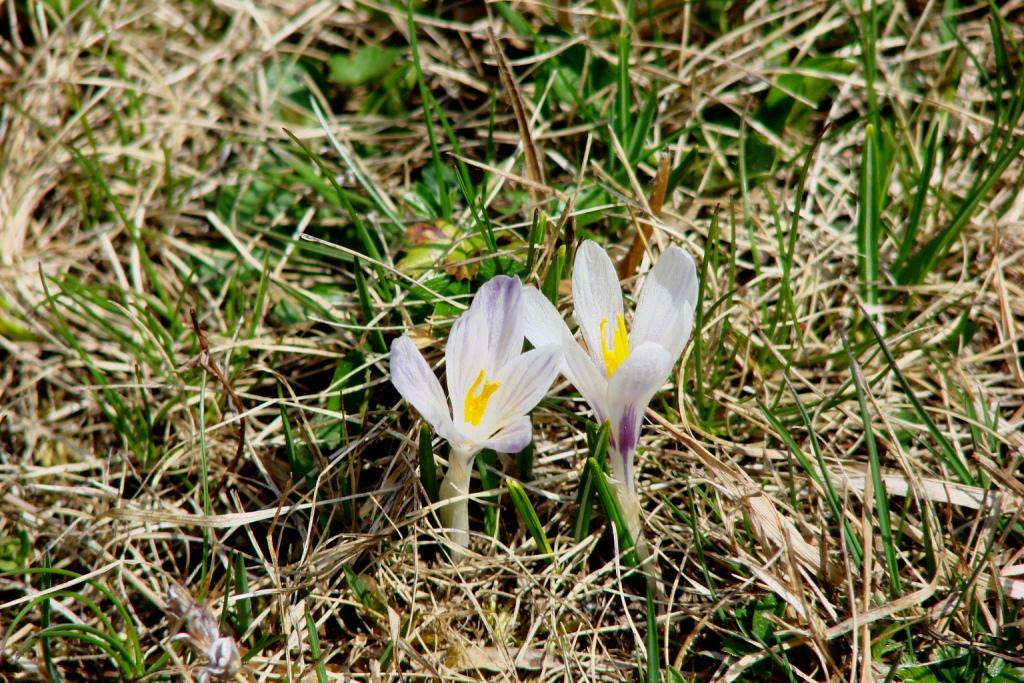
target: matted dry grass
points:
(126, 130)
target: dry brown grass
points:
(131, 138)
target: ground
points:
(215, 218)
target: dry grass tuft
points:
(159, 157)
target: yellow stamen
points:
(614, 356)
(473, 412)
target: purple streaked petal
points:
(499, 302)
(629, 391)
(417, 384)
(627, 436)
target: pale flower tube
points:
(624, 367)
(492, 386)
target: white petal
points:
(498, 301)
(417, 384)
(629, 391)
(541, 321)
(545, 326)
(465, 356)
(588, 380)
(664, 312)
(596, 296)
(523, 383)
(512, 438)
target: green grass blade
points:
(925, 260)
(831, 495)
(428, 467)
(554, 276)
(363, 292)
(923, 185)
(242, 606)
(378, 201)
(315, 653)
(869, 228)
(486, 463)
(881, 495)
(428, 119)
(610, 504)
(597, 442)
(950, 456)
(653, 651)
(528, 515)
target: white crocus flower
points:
(624, 368)
(492, 385)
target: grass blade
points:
(878, 486)
(428, 468)
(528, 515)
(315, 652)
(610, 503)
(950, 456)
(869, 229)
(597, 441)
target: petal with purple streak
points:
(417, 384)
(629, 392)
(499, 301)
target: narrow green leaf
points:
(538, 228)
(950, 455)
(610, 503)
(881, 496)
(376, 338)
(243, 605)
(314, 647)
(653, 651)
(869, 232)
(929, 255)
(597, 442)
(363, 594)
(428, 467)
(486, 462)
(427, 99)
(923, 185)
(554, 276)
(528, 515)
(831, 496)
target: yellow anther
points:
(475, 406)
(614, 356)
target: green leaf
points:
(610, 503)
(314, 647)
(528, 515)
(486, 462)
(428, 468)
(597, 443)
(881, 497)
(365, 65)
(869, 230)
(554, 276)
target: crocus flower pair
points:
(493, 385)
